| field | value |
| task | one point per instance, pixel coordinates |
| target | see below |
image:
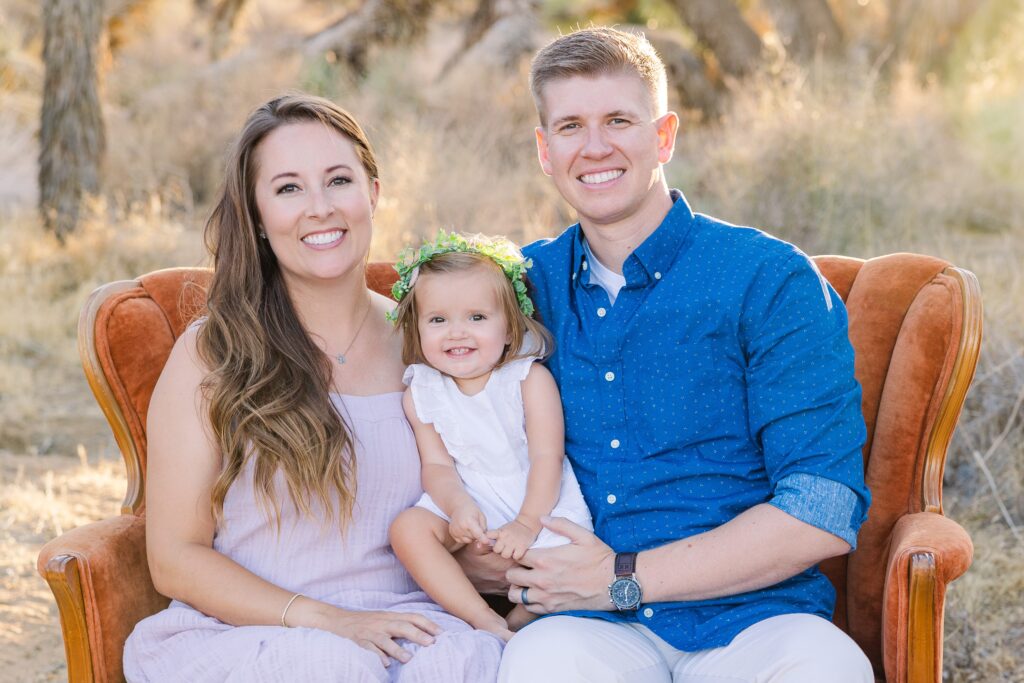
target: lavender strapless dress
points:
(357, 571)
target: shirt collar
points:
(653, 257)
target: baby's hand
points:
(467, 524)
(514, 539)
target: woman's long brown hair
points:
(267, 393)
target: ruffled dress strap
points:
(428, 392)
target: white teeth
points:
(603, 177)
(459, 351)
(323, 237)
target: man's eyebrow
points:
(563, 119)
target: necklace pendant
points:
(340, 358)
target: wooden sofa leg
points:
(61, 573)
(921, 648)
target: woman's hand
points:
(467, 523)
(377, 631)
(512, 540)
(570, 577)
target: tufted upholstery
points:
(915, 326)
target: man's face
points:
(603, 146)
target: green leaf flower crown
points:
(498, 249)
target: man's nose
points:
(596, 144)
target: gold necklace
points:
(340, 357)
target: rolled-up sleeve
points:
(804, 402)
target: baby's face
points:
(463, 329)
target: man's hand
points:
(569, 577)
(468, 523)
(512, 540)
(485, 569)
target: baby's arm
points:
(545, 436)
(442, 481)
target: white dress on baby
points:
(486, 436)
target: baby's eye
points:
(477, 317)
(436, 319)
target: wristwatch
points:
(625, 591)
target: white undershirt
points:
(600, 274)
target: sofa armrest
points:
(927, 552)
(100, 578)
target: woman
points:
(278, 448)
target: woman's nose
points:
(317, 205)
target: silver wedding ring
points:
(522, 596)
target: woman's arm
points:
(184, 464)
(442, 481)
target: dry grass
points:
(830, 160)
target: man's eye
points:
(568, 129)
(619, 122)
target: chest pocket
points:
(687, 393)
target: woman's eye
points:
(340, 180)
(436, 319)
(288, 189)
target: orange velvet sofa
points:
(915, 324)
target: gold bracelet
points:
(285, 611)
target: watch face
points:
(625, 593)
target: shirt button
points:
(611, 499)
(615, 443)
(601, 313)
(584, 265)
(657, 276)
(648, 613)
(610, 376)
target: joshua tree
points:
(71, 135)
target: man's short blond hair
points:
(597, 51)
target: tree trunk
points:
(222, 24)
(806, 27)
(376, 22)
(686, 72)
(71, 135)
(499, 33)
(719, 25)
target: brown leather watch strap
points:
(625, 564)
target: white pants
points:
(792, 648)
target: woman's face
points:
(315, 202)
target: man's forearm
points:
(756, 549)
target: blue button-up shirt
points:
(722, 378)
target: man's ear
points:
(542, 150)
(667, 126)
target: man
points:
(712, 416)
